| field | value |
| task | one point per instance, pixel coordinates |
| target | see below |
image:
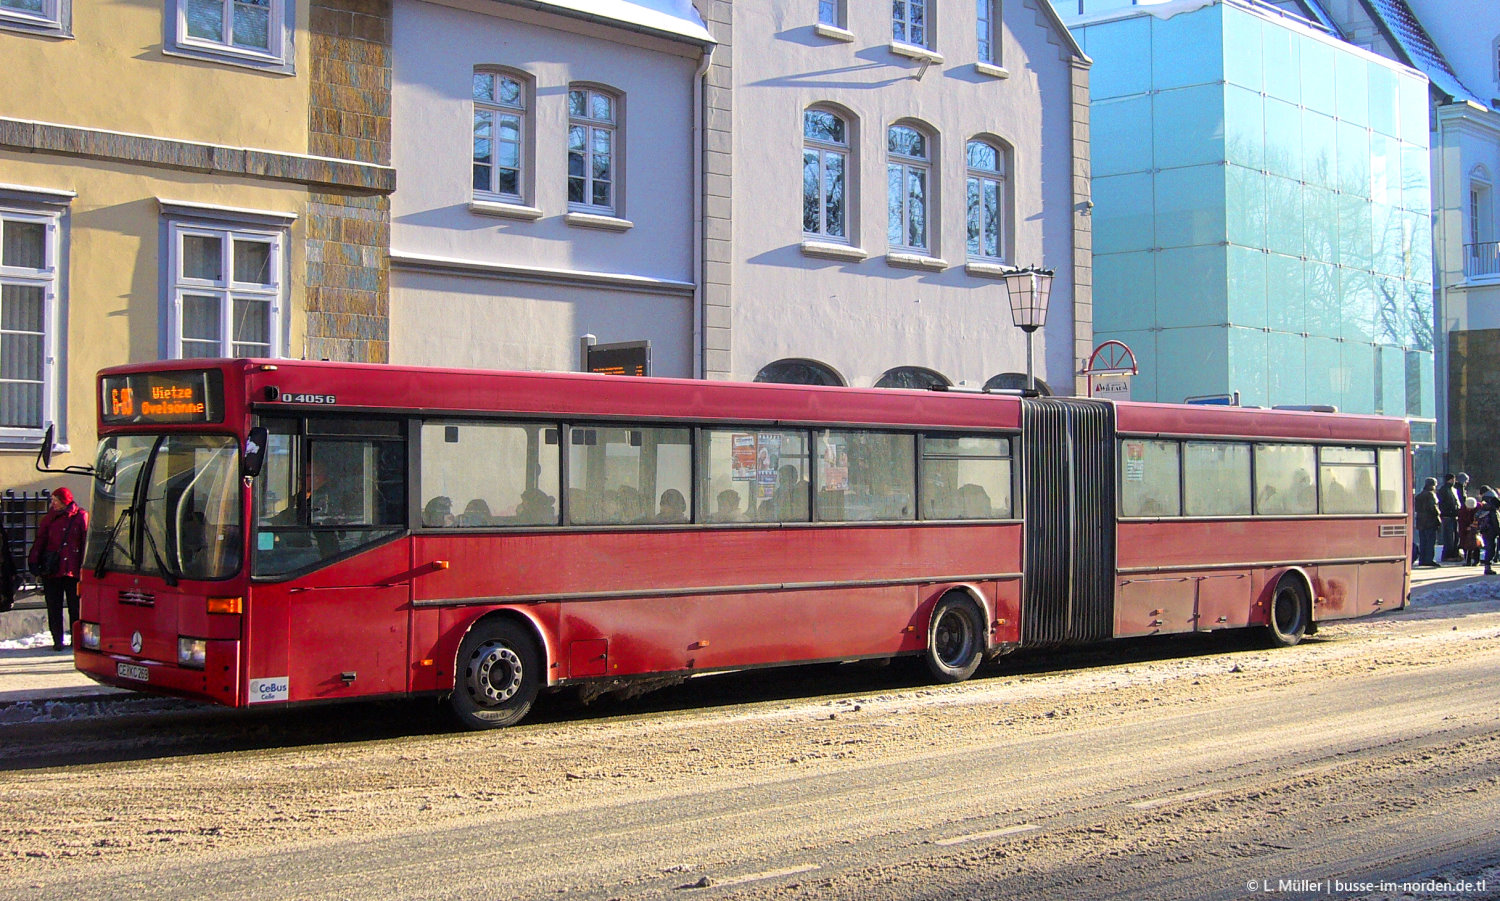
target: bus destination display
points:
(163, 397)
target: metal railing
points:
(20, 511)
(1482, 259)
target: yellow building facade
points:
(183, 178)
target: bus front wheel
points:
(955, 639)
(498, 676)
(1289, 614)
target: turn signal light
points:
(226, 605)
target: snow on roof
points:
(1396, 19)
(673, 18)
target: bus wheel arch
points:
(1289, 613)
(500, 668)
(957, 636)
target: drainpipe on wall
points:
(700, 149)
(1440, 338)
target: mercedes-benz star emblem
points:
(135, 643)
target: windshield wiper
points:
(102, 566)
(167, 574)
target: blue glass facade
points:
(1261, 219)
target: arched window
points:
(912, 377)
(908, 177)
(593, 157)
(1482, 253)
(799, 372)
(988, 210)
(825, 168)
(1015, 381)
(500, 156)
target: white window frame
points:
(1481, 209)
(907, 165)
(495, 111)
(277, 56)
(48, 278)
(903, 22)
(225, 289)
(998, 177)
(833, 13)
(55, 18)
(987, 31)
(593, 127)
(825, 150)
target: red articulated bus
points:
(274, 531)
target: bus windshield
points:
(173, 508)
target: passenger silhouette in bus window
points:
(438, 513)
(673, 507)
(536, 508)
(727, 507)
(476, 514)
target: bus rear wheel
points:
(1289, 614)
(498, 677)
(955, 639)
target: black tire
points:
(955, 639)
(1291, 614)
(498, 676)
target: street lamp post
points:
(1029, 290)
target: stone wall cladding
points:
(718, 171)
(1474, 405)
(349, 235)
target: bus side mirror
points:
(45, 454)
(255, 452)
(109, 464)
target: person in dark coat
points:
(1489, 527)
(57, 557)
(8, 573)
(1426, 521)
(1448, 504)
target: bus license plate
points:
(131, 671)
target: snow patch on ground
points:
(39, 640)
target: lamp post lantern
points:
(1029, 290)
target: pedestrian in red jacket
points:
(57, 557)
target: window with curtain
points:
(28, 298)
(499, 135)
(908, 174)
(593, 173)
(226, 291)
(825, 166)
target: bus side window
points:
(1150, 477)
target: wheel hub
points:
(952, 639)
(495, 674)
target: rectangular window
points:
(29, 247)
(226, 291)
(592, 169)
(499, 134)
(831, 12)
(1284, 480)
(327, 490)
(1149, 478)
(966, 477)
(52, 17)
(1215, 479)
(986, 22)
(1346, 480)
(753, 475)
(254, 32)
(1392, 480)
(480, 475)
(909, 23)
(622, 476)
(865, 477)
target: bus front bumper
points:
(218, 682)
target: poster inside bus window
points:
(143, 398)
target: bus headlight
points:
(191, 652)
(88, 636)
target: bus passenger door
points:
(330, 509)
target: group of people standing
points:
(1466, 526)
(56, 558)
